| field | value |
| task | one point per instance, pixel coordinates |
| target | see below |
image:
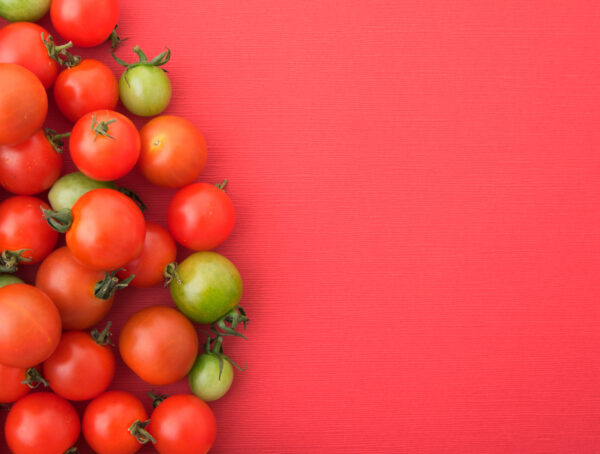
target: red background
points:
(418, 229)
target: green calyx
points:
(170, 273)
(102, 337)
(33, 378)
(138, 430)
(159, 60)
(226, 325)
(56, 140)
(9, 260)
(133, 196)
(222, 184)
(72, 450)
(106, 288)
(156, 398)
(59, 53)
(216, 350)
(59, 220)
(101, 129)
(115, 39)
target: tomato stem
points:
(59, 220)
(72, 450)
(159, 60)
(56, 139)
(217, 352)
(138, 430)
(170, 273)
(133, 196)
(102, 337)
(9, 260)
(106, 288)
(101, 129)
(115, 39)
(33, 378)
(222, 184)
(59, 53)
(156, 398)
(234, 317)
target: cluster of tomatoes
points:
(49, 333)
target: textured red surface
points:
(418, 217)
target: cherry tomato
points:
(31, 166)
(22, 108)
(211, 377)
(41, 423)
(104, 145)
(173, 151)
(8, 279)
(208, 286)
(11, 386)
(21, 43)
(82, 366)
(107, 421)
(97, 237)
(159, 344)
(24, 10)
(22, 227)
(86, 87)
(159, 250)
(29, 326)
(68, 188)
(85, 22)
(71, 286)
(183, 424)
(201, 216)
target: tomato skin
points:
(83, 21)
(29, 326)
(100, 157)
(24, 10)
(183, 424)
(89, 86)
(68, 188)
(22, 227)
(159, 344)
(21, 44)
(210, 287)
(30, 167)
(79, 368)
(106, 421)
(173, 151)
(145, 90)
(97, 238)
(204, 378)
(23, 108)
(11, 388)
(41, 423)
(200, 216)
(71, 286)
(159, 250)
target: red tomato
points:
(22, 227)
(159, 344)
(81, 367)
(29, 326)
(108, 230)
(201, 216)
(107, 420)
(104, 145)
(71, 286)
(183, 424)
(31, 166)
(159, 250)
(84, 22)
(22, 108)
(41, 423)
(11, 386)
(173, 151)
(21, 43)
(88, 86)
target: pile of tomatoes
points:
(53, 332)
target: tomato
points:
(29, 326)
(11, 383)
(31, 166)
(41, 423)
(183, 424)
(211, 377)
(207, 286)
(159, 344)
(21, 43)
(8, 279)
(68, 188)
(23, 229)
(84, 22)
(148, 268)
(173, 151)
(108, 423)
(201, 216)
(82, 366)
(144, 88)
(24, 10)
(86, 87)
(94, 227)
(23, 103)
(104, 145)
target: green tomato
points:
(204, 377)
(67, 189)
(145, 90)
(209, 286)
(7, 279)
(24, 10)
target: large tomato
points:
(23, 103)
(159, 344)
(41, 423)
(29, 326)
(183, 424)
(85, 22)
(104, 145)
(148, 268)
(88, 86)
(31, 166)
(173, 151)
